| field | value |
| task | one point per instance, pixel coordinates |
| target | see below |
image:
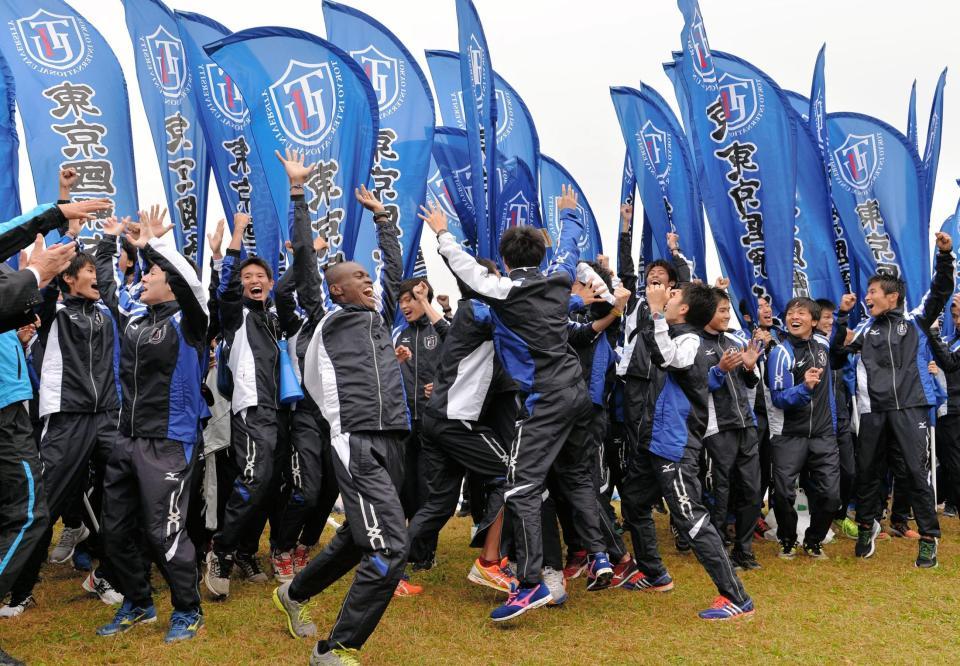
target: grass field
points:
(838, 611)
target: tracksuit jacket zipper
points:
(93, 383)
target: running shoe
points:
(927, 555)
(599, 572)
(576, 564)
(424, 565)
(102, 588)
(16, 607)
(127, 617)
(949, 511)
(903, 531)
(407, 589)
(184, 625)
(557, 585)
(643, 583)
(623, 571)
(249, 567)
(282, 563)
(847, 528)
(760, 529)
(744, 561)
(217, 576)
(867, 540)
(69, 538)
(496, 576)
(299, 622)
(520, 601)
(335, 657)
(814, 550)
(724, 609)
(788, 549)
(301, 558)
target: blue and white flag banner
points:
(552, 177)
(306, 94)
(73, 102)
(912, 116)
(225, 119)
(451, 186)
(931, 150)
(656, 142)
(405, 138)
(166, 88)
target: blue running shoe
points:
(127, 617)
(82, 560)
(520, 601)
(643, 583)
(184, 625)
(724, 609)
(599, 572)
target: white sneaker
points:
(69, 538)
(555, 582)
(13, 610)
(102, 588)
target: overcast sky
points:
(562, 57)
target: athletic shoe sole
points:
(601, 582)
(933, 566)
(150, 620)
(481, 580)
(286, 615)
(732, 618)
(217, 596)
(534, 604)
(874, 531)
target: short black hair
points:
(826, 305)
(77, 263)
(804, 303)
(701, 301)
(672, 275)
(890, 283)
(256, 261)
(406, 287)
(522, 246)
(722, 295)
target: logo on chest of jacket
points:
(822, 358)
(902, 328)
(158, 335)
(430, 342)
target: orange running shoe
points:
(496, 576)
(407, 589)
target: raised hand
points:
(320, 244)
(626, 216)
(50, 262)
(847, 302)
(84, 210)
(750, 355)
(657, 296)
(403, 354)
(151, 226)
(444, 301)
(944, 242)
(730, 359)
(568, 198)
(673, 241)
(298, 173)
(215, 240)
(368, 200)
(621, 296)
(435, 218)
(722, 283)
(68, 178)
(420, 291)
(113, 227)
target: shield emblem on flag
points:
(477, 59)
(462, 177)
(164, 55)
(518, 210)
(225, 95)
(383, 72)
(504, 113)
(304, 99)
(656, 149)
(856, 160)
(52, 40)
(439, 193)
(739, 99)
(700, 49)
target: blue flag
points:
(516, 132)
(166, 87)
(438, 194)
(452, 186)
(912, 116)
(951, 226)
(73, 102)
(668, 190)
(476, 80)
(405, 139)
(741, 129)
(628, 191)
(9, 151)
(552, 176)
(231, 150)
(517, 203)
(878, 190)
(931, 151)
(310, 96)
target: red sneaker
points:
(301, 556)
(282, 566)
(407, 589)
(576, 564)
(623, 572)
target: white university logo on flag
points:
(225, 95)
(304, 99)
(164, 55)
(858, 160)
(384, 73)
(51, 40)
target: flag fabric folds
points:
(552, 177)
